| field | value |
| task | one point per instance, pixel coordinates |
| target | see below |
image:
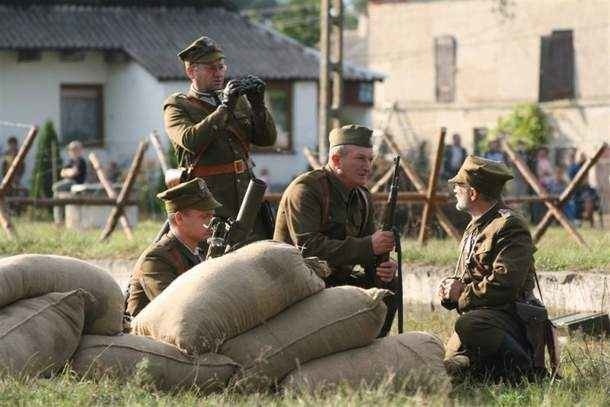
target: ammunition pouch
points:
(540, 332)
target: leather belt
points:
(235, 167)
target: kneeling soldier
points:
(495, 270)
(190, 207)
(329, 214)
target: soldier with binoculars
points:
(212, 128)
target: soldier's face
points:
(208, 77)
(463, 194)
(195, 224)
(354, 166)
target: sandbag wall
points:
(253, 319)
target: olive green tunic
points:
(156, 268)
(497, 265)
(223, 136)
(337, 229)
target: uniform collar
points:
(197, 252)
(211, 97)
(485, 218)
(337, 184)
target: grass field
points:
(556, 250)
(586, 364)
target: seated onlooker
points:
(74, 172)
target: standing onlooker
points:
(495, 153)
(544, 168)
(455, 155)
(74, 172)
(12, 148)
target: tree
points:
(46, 159)
(299, 19)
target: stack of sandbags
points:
(224, 297)
(333, 320)
(38, 335)
(163, 365)
(411, 361)
(33, 275)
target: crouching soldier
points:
(328, 213)
(190, 207)
(495, 270)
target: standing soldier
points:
(328, 213)
(190, 207)
(212, 129)
(495, 270)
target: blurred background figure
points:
(74, 172)
(12, 147)
(455, 155)
(494, 152)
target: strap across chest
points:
(326, 209)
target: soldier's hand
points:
(386, 271)
(256, 91)
(455, 290)
(383, 242)
(231, 93)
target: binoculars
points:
(252, 85)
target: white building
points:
(101, 74)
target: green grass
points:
(586, 365)
(556, 250)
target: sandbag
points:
(331, 321)
(223, 297)
(413, 360)
(38, 335)
(32, 275)
(122, 355)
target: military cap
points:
(351, 134)
(487, 176)
(193, 194)
(203, 50)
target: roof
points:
(152, 36)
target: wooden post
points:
(429, 206)
(156, 143)
(567, 192)
(542, 192)
(311, 159)
(420, 186)
(101, 175)
(5, 219)
(117, 211)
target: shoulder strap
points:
(325, 184)
(365, 209)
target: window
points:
(445, 62)
(71, 56)
(82, 114)
(279, 102)
(28, 55)
(556, 66)
(358, 93)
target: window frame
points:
(99, 88)
(287, 87)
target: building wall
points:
(498, 60)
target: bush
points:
(527, 124)
(47, 159)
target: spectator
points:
(495, 153)
(12, 148)
(114, 173)
(558, 182)
(544, 169)
(74, 172)
(455, 155)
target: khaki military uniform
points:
(496, 265)
(318, 214)
(219, 140)
(159, 265)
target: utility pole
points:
(331, 72)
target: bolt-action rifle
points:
(388, 225)
(228, 234)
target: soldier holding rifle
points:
(212, 128)
(329, 213)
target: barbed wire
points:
(15, 124)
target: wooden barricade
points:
(5, 220)
(121, 200)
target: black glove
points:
(255, 91)
(231, 93)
